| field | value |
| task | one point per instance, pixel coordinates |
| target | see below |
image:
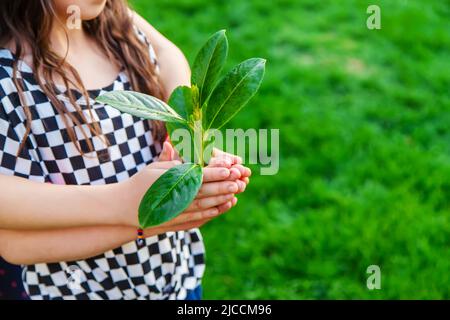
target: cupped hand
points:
(224, 177)
(218, 187)
(239, 172)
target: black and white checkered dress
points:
(167, 266)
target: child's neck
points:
(63, 39)
(81, 52)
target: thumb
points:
(167, 153)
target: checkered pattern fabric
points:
(166, 266)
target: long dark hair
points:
(27, 24)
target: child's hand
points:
(222, 179)
(219, 159)
(219, 186)
(215, 197)
(240, 173)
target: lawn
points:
(364, 119)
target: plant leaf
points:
(178, 138)
(208, 64)
(181, 101)
(233, 92)
(140, 105)
(170, 195)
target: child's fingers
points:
(164, 164)
(217, 153)
(216, 188)
(190, 225)
(163, 156)
(187, 217)
(220, 162)
(241, 185)
(209, 202)
(225, 207)
(245, 171)
(215, 174)
(167, 152)
(189, 220)
(234, 174)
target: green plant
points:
(207, 104)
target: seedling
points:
(207, 104)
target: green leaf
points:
(140, 105)
(208, 64)
(181, 101)
(170, 195)
(233, 92)
(183, 141)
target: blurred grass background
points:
(364, 119)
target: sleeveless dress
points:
(168, 266)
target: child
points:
(72, 221)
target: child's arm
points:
(26, 204)
(46, 246)
(31, 246)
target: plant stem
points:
(197, 126)
(198, 141)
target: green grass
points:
(364, 119)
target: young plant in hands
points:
(206, 105)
